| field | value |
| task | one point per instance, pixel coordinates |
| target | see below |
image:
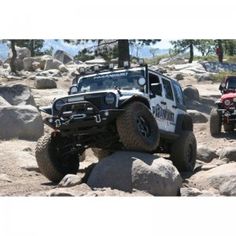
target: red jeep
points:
(225, 113)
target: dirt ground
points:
(19, 174)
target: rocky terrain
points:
(41, 79)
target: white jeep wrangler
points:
(128, 108)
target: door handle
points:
(163, 103)
(175, 107)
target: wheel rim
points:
(143, 127)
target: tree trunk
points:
(32, 48)
(123, 52)
(221, 54)
(14, 55)
(191, 53)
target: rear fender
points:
(184, 123)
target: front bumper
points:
(81, 117)
(228, 115)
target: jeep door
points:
(157, 101)
(170, 102)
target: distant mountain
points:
(145, 52)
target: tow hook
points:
(57, 123)
(98, 119)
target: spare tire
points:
(137, 128)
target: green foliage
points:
(181, 46)
(84, 55)
(229, 47)
(205, 46)
(221, 75)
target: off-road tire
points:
(49, 156)
(137, 128)
(228, 127)
(101, 153)
(215, 122)
(184, 152)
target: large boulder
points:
(205, 153)
(228, 152)
(34, 63)
(197, 117)
(191, 93)
(27, 62)
(21, 54)
(62, 56)
(133, 170)
(24, 122)
(3, 102)
(17, 94)
(221, 179)
(52, 64)
(44, 83)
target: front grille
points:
(96, 99)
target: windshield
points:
(231, 83)
(120, 79)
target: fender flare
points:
(135, 98)
(184, 122)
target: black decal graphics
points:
(163, 114)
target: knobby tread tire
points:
(128, 132)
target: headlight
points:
(59, 104)
(73, 90)
(110, 98)
(234, 99)
(227, 102)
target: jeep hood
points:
(228, 96)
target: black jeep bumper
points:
(227, 115)
(82, 117)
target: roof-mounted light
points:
(126, 64)
(111, 66)
(82, 70)
(96, 68)
(141, 62)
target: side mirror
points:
(222, 87)
(156, 88)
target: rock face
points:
(132, 170)
(17, 94)
(229, 153)
(21, 54)
(44, 83)
(52, 64)
(221, 179)
(205, 154)
(20, 122)
(191, 93)
(217, 67)
(197, 116)
(3, 102)
(62, 56)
